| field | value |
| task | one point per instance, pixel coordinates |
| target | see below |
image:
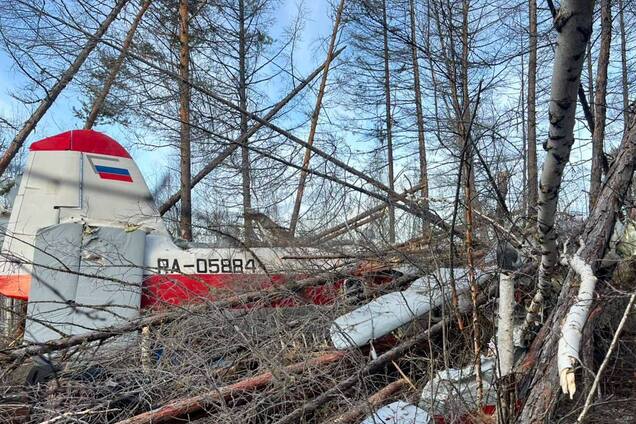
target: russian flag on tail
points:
(113, 173)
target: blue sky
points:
(60, 117)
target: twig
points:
(186, 406)
(599, 374)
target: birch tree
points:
(574, 26)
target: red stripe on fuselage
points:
(175, 289)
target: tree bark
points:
(101, 97)
(388, 117)
(533, 191)
(587, 109)
(625, 84)
(185, 221)
(246, 173)
(574, 26)
(541, 382)
(590, 84)
(419, 114)
(59, 86)
(314, 119)
(600, 103)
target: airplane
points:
(85, 178)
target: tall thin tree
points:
(419, 114)
(532, 193)
(185, 221)
(314, 119)
(388, 116)
(600, 100)
(245, 153)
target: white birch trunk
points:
(505, 346)
(574, 25)
(572, 330)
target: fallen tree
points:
(541, 383)
(392, 197)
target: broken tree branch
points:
(314, 120)
(570, 341)
(101, 97)
(541, 382)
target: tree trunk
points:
(600, 97)
(542, 379)
(532, 114)
(314, 120)
(101, 97)
(590, 84)
(469, 195)
(245, 153)
(419, 114)
(574, 25)
(466, 117)
(185, 221)
(625, 84)
(388, 117)
(55, 91)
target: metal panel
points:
(84, 279)
(50, 312)
(109, 287)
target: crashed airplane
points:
(84, 232)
